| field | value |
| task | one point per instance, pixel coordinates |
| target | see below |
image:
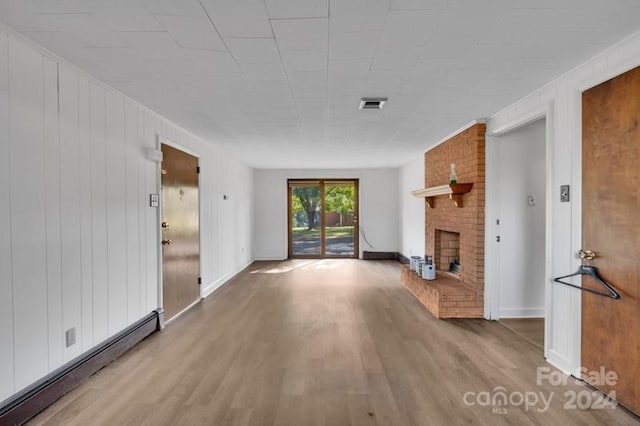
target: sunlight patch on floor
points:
(292, 265)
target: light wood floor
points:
(326, 342)
(531, 329)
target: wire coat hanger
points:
(591, 271)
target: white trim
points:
(456, 132)
(270, 258)
(522, 120)
(522, 312)
(612, 72)
(492, 257)
(208, 290)
(575, 336)
(158, 190)
(561, 363)
(165, 140)
(550, 132)
(175, 317)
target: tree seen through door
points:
(323, 211)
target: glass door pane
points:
(340, 218)
(305, 221)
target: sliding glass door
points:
(340, 227)
(305, 219)
(323, 218)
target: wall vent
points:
(372, 103)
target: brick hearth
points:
(444, 297)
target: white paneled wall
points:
(28, 214)
(69, 210)
(54, 155)
(81, 243)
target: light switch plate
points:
(565, 193)
(154, 200)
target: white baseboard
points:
(206, 291)
(522, 312)
(269, 258)
(560, 362)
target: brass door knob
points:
(165, 225)
(166, 242)
(587, 254)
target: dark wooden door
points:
(180, 231)
(611, 228)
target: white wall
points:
(412, 209)
(80, 247)
(378, 208)
(560, 100)
(521, 173)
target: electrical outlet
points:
(70, 336)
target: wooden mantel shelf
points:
(454, 191)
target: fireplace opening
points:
(447, 251)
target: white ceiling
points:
(278, 82)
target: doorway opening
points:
(323, 218)
(521, 194)
(180, 231)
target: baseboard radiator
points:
(26, 404)
(384, 255)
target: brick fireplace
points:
(455, 232)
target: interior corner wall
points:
(80, 247)
(378, 190)
(561, 101)
(412, 209)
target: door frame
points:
(356, 227)
(492, 249)
(160, 140)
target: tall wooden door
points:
(611, 228)
(180, 231)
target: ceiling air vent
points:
(372, 103)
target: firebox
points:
(447, 249)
